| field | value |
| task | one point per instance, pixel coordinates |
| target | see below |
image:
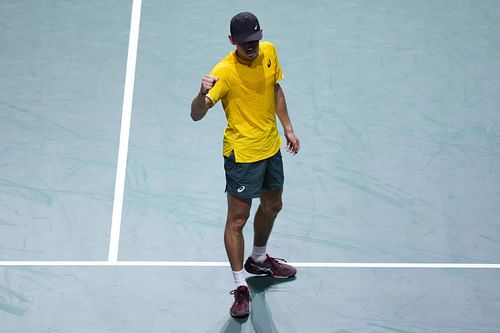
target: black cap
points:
(245, 28)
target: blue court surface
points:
(112, 203)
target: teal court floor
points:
(112, 201)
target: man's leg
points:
(260, 262)
(238, 211)
(270, 206)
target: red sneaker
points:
(241, 305)
(273, 267)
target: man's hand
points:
(292, 143)
(207, 83)
(201, 103)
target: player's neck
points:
(243, 61)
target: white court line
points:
(226, 264)
(121, 167)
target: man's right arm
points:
(199, 107)
(201, 103)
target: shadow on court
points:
(260, 314)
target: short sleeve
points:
(220, 88)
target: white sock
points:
(259, 253)
(239, 278)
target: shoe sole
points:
(240, 316)
(269, 274)
(279, 277)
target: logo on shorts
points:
(241, 189)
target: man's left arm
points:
(292, 141)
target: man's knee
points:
(238, 212)
(272, 208)
(236, 221)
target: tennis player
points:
(247, 82)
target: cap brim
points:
(241, 39)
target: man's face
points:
(248, 51)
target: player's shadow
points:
(260, 314)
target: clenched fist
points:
(207, 83)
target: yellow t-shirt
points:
(248, 99)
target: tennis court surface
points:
(112, 203)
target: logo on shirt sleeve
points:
(268, 63)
